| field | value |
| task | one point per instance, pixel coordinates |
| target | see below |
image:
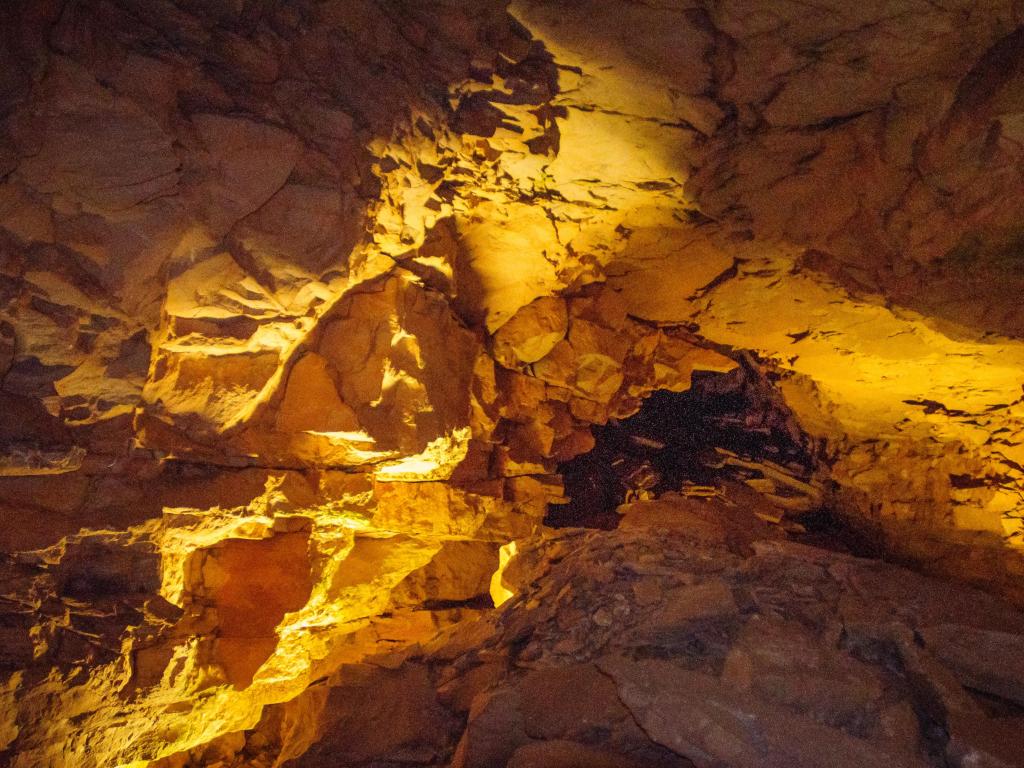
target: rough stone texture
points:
(303, 303)
(795, 656)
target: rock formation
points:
(308, 307)
(684, 639)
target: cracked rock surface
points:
(304, 303)
(690, 636)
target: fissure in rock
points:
(730, 433)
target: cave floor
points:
(693, 634)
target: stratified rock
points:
(90, 148)
(311, 401)
(460, 572)
(991, 662)
(657, 277)
(312, 300)
(243, 164)
(701, 719)
(624, 649)
(501, 245)
(250, 586)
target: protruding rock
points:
(531, 332)
(991, 662)
(700, 719)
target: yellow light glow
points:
(499, 592)
(436, 462)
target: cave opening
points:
(730, 436)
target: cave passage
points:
(728, 428)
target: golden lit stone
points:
(306, 313)
(499, 592)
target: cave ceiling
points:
(302, 304)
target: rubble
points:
(694, 647)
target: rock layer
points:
(302, 305)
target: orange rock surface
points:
(303, 305)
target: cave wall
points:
(302, 303)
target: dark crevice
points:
(730, 437)
(721, 430)
(478, 603)
(995, 706)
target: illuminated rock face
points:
(692, 635)
(301, 307)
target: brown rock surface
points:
(305, 305)
(531, 332)
(570, 672)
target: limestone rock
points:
(568, 754)
(92, 148)
(702, 720)
(311, 400)
(501, 245)
(245, 163)
(460, 572)
(303, 305)
(756, 670)
(354, 711)
(658, 285)
(249, 606)
(531, 332)
(985, 661)
(404, 361)
(497, 732)
(302, 226)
